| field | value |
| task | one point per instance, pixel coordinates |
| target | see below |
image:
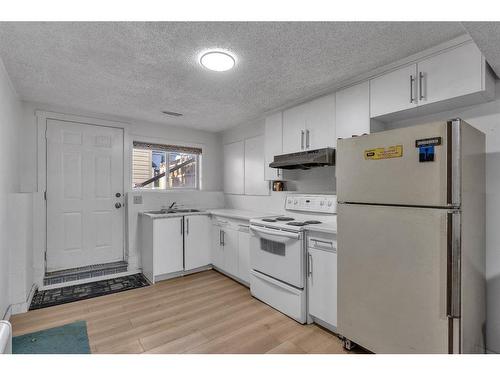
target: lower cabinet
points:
(322, 281)
(196, 244)
(172, 245)
(167, 245)
(244, 254)
(231, 248)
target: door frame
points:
(40, 204)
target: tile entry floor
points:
(205, 312)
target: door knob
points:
(118, 205)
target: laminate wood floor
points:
(205, 312)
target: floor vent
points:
(82, 273)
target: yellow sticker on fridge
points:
(384, 153)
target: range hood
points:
(305, 159)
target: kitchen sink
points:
(172, 211)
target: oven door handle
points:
(278, 233)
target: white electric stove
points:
(278, 255)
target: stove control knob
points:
(322, 203)
(295, 201)
(329, 203)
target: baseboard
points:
(90, 280)
(8, 313)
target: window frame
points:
(198, 170)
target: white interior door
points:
(84, 177)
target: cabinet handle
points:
(307, 138)
(187, 227)
(301, 139)
(223, 238)
(310, 265)
(182, 225)
(412, 80)
(420, 86)
(220, 237)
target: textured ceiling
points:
(487, 37)
(136, 70)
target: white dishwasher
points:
(322, 278)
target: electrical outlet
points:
(137, 199)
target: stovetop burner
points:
(312, 222)
(296, 223)
(269, 220)
(284, 218)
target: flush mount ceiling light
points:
(219, 61)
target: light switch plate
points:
(137, 199)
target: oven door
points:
(278, 254)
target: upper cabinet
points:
(234, 168)
(255, 183)
(352, 110)
(393, 92)
(310, 125)
(273, 145)
(456, 77)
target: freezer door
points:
(389, 168)
(392, 278)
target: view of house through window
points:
(156, 166)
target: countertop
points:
(330, 228)
(239, 214)
(177, 214)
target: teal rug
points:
(68, 339)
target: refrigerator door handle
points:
(454, 266)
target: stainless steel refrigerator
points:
(411, 239)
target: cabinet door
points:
(394, 91)
(244, 255)
(255, 183)
(320, 123)
(168, 245)
(323, 285)
(230, 243)
(234, 168)
(294, 126)
(352, 110)
(196, 241)
(273, 140)
(217, 249)
(450, 74)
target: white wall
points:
(315, 180)
(485, 117)
(10, 109)
(211, 172)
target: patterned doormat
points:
(58, 296)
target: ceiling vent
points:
(174, 114)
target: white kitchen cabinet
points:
(450, 74)
(217, 248)
(352, 110)
(310, 125)
(456, 77)
(234, 168)
(322, 286)
(294, 124)
(197, 234)
(273, 142)
(230, 244)
(168, 245)
(255, 182)
(320, 123)
(244, 253)
(394, 91)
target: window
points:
(158, 167)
